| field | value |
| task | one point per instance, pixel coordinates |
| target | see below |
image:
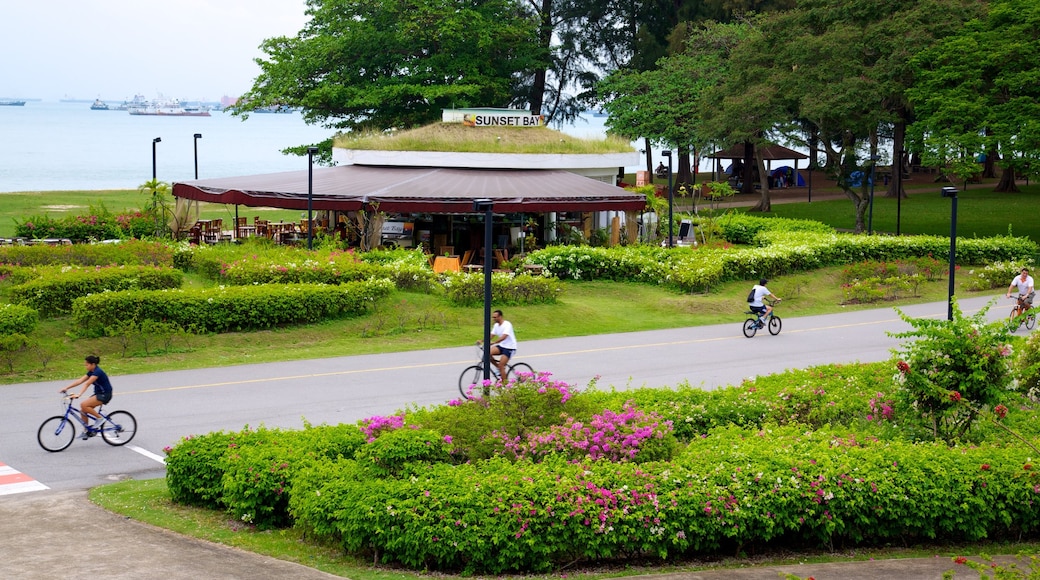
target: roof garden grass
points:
(461, 139)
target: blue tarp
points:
(786, 169)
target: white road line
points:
(146, 453)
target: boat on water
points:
(168, 109)
(274, 109)
(99, 105)
(12, 103)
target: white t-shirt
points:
(760, 293)
(505, 328)
(1024, 288)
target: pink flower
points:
(903, 367)
(985, 467)
(955, 396)
(1001, 411)
(960, 560)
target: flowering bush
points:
(127, 252)
(507, 288)
(950, 360)
(99, 224)
(53, 292)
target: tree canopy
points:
(379, 64)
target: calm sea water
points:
(49, 146)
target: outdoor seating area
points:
(213, 231)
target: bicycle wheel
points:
(470, 381)
(750, 327)
(1013, 320)
(1030, 321)
(518, 368)
(774, 325)
(56, 434)
(119, 429)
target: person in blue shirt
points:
(102, 392)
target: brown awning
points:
(769, 153)
(416, 190)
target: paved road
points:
(173, 404)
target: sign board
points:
(491, 120)
(398, 229)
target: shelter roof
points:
(769, 152)
(415, 190)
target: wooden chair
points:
(467, 256)
(239, 224)
(447, 251)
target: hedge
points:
(54, 293)
(127, 252)
(508, 289)
(229, 308)
(16, 319)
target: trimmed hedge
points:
(127, 252)
(230, 308)
(778, 251)
(17, 319)
(508, 289)
(54, 293)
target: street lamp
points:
(951, 192)
(197, 137)
(154, 141)
(310, 195)
(870, 217)
(487, 206)
(671, 226)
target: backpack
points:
(751, 295)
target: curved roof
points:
(769, 152)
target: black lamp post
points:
(951, 192)
(310, 195)
(870, 216)
(486, 206)
(154, 141)
(671, 226)
(197, 137)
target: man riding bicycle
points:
(503, 342)
(1024, 283)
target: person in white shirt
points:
(757, 305)
(503, 341)
(1024, 283)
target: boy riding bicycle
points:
(756, 303)
(503, 342)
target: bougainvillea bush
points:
(540, 474)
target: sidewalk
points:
(48, 534)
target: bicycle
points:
(752, 324)
(1017, 320)
(57, 433)
(474, 374)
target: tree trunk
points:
(545, 39)
(748, 185)
(989, 166)
(1007, 181)
(683, 177)
(649, 158)
(895, 186)
(763, 178)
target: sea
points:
(54, 146)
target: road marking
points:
(146, 453)
(14, 481)
(535, 356)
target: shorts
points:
(1027, 298)
(508, 352)
(758, 309)
(103, 397)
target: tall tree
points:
(385, 63)
(979, 90)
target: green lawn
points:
(980, 213)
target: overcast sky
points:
(113, 49)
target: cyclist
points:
(756, 304)
(503, 342)
(1024, 283)
(102, 392)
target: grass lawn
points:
(980, 213)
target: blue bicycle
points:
(58, 432)
(753, 324)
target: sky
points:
(114, 49)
